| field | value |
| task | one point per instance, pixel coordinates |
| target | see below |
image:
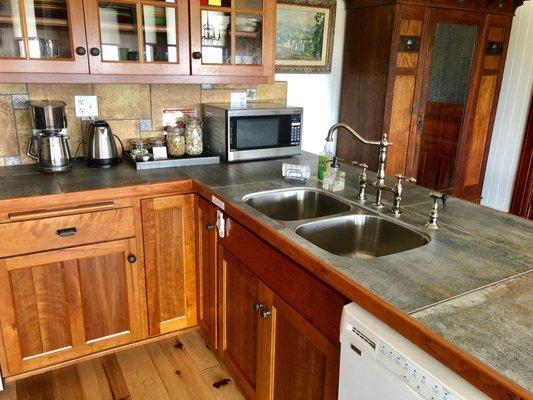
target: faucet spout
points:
(335, 127)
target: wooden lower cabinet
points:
(170, 262)
(270, 349)
(63, 304)
(207, 270)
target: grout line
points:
(488, 285)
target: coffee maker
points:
(49, 143)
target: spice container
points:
(176, 141)
(194, 137)
(138, 146)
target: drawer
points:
(500, 5)
(65, 231)
(472, 4)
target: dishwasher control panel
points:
(422, 382)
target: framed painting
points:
(304, 35)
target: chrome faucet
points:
(383, 144)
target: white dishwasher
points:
(379, 363)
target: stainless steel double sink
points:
(335, 225)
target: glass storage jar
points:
(138, 146)
(176, 142)
(194, 137)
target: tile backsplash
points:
(132, 110)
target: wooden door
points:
(522, 202)
(207, 270)
(304, 363)
(170, 262)
(138, 37)
(43, 36)
(233, 38)
(241, 336)
(64, 304)
(452, 61)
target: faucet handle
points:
(438, 195)
(361, 165)
(401, 177)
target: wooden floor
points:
(156, 371)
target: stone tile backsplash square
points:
(132, 110)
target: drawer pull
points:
(67, 232)
(132, 259)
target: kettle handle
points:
(29, 149)
(121, 145)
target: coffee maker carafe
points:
(49, 143)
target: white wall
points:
(319, 94)
(512, 113)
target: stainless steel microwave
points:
(253, 131)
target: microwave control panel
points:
(296, 129)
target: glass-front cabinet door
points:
(35, 33)
(233, 37)
(138, 37)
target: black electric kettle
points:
(101, 146)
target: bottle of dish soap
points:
(334, 178)
(323, 159)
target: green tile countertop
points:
(472, 284)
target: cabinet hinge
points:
(221, 224)
(1, 381)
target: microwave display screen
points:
(260, 132)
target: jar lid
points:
(157, 141)
(137, 142)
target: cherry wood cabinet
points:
(44, 36)
(137, 38)
(63, 304)
(270, 349)
(437, 69)
(207, 270)
(170, 262)
(278, 326)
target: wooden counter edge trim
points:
(181, 186)
(471, 369)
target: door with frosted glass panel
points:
(42, 36)
(138, 37)
(233, 37)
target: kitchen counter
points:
(469, 284)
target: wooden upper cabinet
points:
(170, 262)
(233, 37)
(207, 270)
(43, 36)
(138, 37)
(63, 304)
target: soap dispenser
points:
(334, 178)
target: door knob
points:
(258, 306)
(196, 55)
(132, 259)
(209, 227)
(81, 51)
(95, 51)
(264, 313)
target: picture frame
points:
(304, 36)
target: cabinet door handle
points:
(81, 51)
(67, 232)
(196, 55)
(132, 259)
(209, 227)
(264, 313)
(95, 51)
(258, 306)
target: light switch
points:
(86, 106)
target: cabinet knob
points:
(196, 55)
(258, 306)
(81, 51)
(264, 313)
(132, 259)
(95, 51)
(209, 227)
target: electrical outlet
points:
(86, 106)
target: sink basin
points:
(361, 236)
(296, 204)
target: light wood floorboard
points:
(156, 371)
